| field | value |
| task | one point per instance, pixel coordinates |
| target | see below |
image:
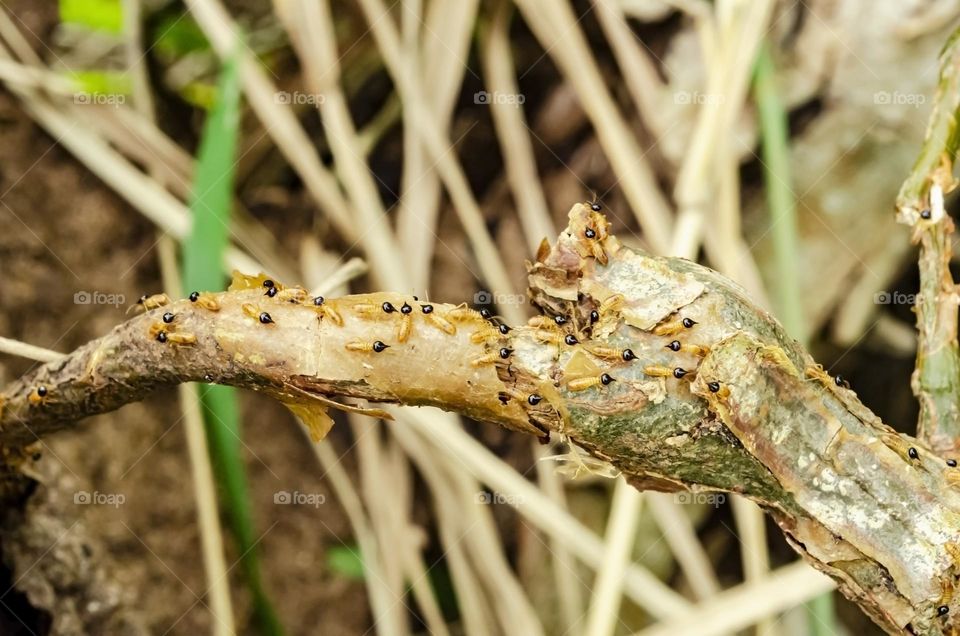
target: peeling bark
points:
(752, 413)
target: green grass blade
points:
(203, 255)
(775, 135)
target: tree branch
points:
(752, 413)
(936, 381)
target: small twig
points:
(936, 381)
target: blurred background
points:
(427, 146)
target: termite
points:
(406, 322)
(946, 595)
(492, 357)
(953, 549)
(582, 384)
(291, 294)
(183, 339)
(609, 353)
(326, 311)
(367, 347)
(532, 399)
(953, 479)
(151, 302)
(672, 328)
(437, 320)
(594, 235)
(369, 310)
(462, 313)
(898, 445)
(611, 303)
(37, 395)
(162, 333)
(158, 328)
(664, 372)
(545, 323)
(555, 337)
(697, 350)
(253, 311)
(207, 301)
(485, 334)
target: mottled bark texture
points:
(659, 366)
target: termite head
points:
(722, 391)
(38, 394)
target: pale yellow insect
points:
(184, 339)
(492, 358)
(462, 313)
(673, 328)
(609, 353)
(946, 591)
(485, 334)
(658, 371)
(251, 310)
(331, 313)
(207, 301)
(151, 302)
(697, 350)
(292, 294)
(438, 321)
(544, 323)
(594, 233)
(367, 347)
(582, 384)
